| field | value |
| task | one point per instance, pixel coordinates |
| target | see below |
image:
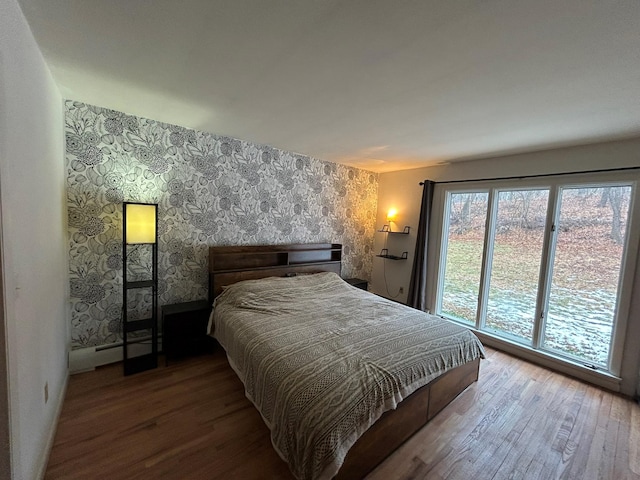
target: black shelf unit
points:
(134, 341)
(387, 229)
(384, 253)
(184, 329)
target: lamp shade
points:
(141, 223)
(391, 214)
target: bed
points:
(340, 376)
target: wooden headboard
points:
(229, 265)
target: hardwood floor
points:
(191, 421)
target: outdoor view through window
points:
(564, 302)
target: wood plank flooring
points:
(190, 420)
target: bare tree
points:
(606, 192)
(463, 218)
(466, 209)
(615, 196)
(525, 206)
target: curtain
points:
(417, 294)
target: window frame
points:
(443, 252)
(490, 242)
(437, 255)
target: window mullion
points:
(442, 261)
(546, 266)
(487, 256)
(626, 278)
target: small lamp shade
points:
(391, 214)
(141, 223)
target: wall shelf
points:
(384, 253)
(387, 229)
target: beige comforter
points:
(322, 360)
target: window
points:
(538, 265)
(516, 244)
(586, 267)
(463, 266)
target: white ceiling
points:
(383, 85)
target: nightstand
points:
(184, 329)
(358, 283)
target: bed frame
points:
(228, 265)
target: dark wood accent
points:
(358, 283)
(219, 280)
(184, 329)
(192, 420)
(443, 390)
(396, 426)
(231, 264)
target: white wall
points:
(32, 196)
(400, 190)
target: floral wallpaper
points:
(211, 190)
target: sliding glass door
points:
(517, 238)
(539, 266)
(467, 213)
(590, 233)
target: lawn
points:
(582, 301)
